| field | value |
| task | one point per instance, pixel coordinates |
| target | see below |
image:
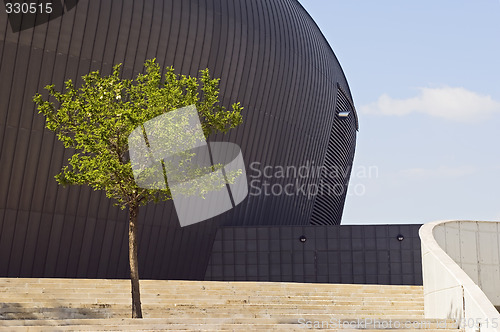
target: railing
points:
(461, 272)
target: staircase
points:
(104, 305)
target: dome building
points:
(298, 134)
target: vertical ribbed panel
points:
(337, 165)
(270, 55)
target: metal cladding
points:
(270, 56)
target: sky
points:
(425, 81)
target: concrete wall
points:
(475, 247)
(460, 262)
(369, 254)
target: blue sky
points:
(425, 79)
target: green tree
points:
(96, 119)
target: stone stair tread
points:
(163, 323)
(202, 327)
(104, 305)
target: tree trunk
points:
(134, 264)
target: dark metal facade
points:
(337, 165)
(347, 254)
(270, 56)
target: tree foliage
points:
(96, 119)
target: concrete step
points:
(190, 312)
(83, 294)
(310, 305)
(104, 305)
(383, 307)
(204, 285)
(202, 327)
(216, 323)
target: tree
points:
(96, 119)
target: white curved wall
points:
(461, 272)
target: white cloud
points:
(449, 103)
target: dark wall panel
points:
(270, 55)
(330, 254)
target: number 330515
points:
(28, 8)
